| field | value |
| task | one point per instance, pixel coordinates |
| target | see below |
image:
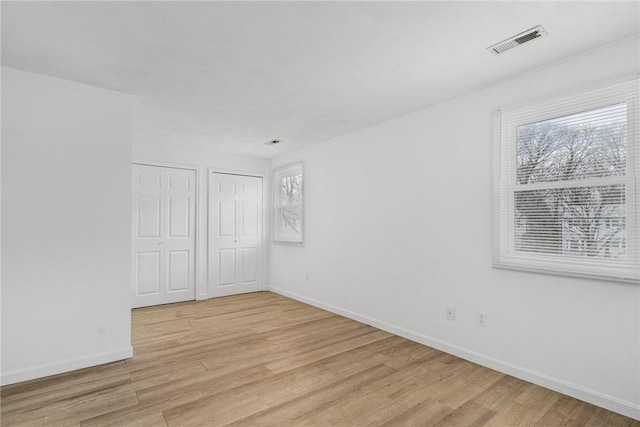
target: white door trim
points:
(266, 208)
(196, 249)
(235, 172)
(165, 164)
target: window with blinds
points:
(566, 183)
(288, 198)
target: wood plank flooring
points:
(265, 360)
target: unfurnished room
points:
(320, 213)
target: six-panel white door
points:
(163, 235)
(235, 218)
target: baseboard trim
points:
(611, 403)
(31, 373)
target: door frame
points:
(196, 250)
(266, 208)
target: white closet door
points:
(235, 218)
(163, 235)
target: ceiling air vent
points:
(517, 40)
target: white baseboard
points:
(26, 374)
(611, 403)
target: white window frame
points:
(505, 123)
(278, 174)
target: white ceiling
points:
(236, 74)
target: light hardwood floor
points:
(265, 360)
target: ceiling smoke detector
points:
(272, 142)
(517, 40)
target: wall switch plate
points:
(482, 320)
(451, 313)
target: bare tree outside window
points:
(291, 198)
(566, 195)
(580, 215)
(288, 204)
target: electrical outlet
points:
(482, 320)
(451, 313)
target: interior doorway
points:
(235, 233)
(163, 235)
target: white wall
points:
(66, 162)
(398, 226)
(204, 160)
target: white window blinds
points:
(565, 184)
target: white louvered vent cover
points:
(517, 40)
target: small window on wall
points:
(566, 190)
(288, 192)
